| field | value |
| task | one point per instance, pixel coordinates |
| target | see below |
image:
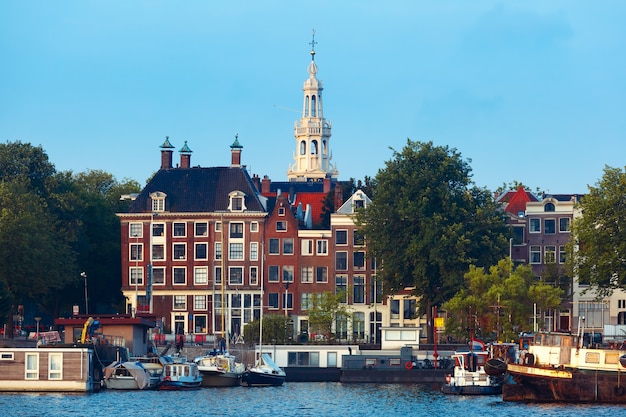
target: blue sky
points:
(531, 91)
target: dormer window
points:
(236, 201)
(548, 207)
(158, 201)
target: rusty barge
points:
(557, 367)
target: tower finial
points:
(312, 43)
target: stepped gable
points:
(198, 190)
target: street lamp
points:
(84, 275)
(37, 319)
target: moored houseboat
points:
(557, 367)
(49, 369)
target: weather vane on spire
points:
(312, 43)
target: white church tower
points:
(312, 133)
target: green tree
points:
(327, 308)
(427, 223)
(598, 245)
(500, 301)
(276, 330)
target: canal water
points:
(292, 399)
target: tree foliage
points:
(498, 303)
(326, 309)
(598, 245)
(53, 226)
(427, 223)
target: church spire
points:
(312, 133)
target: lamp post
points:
(84, 275)
(37, 319)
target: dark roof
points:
(291, 187)
(198, 190)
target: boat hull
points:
(260, 379)
(471, 389)
(219, 379)
(535, 384)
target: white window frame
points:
(307, 274)
(307, 247)
(321, 248)
(160, 268)
(254, 275)
(180, 301)
(254, 251)
(200, 275)
(55, 373)
(174, 269)
(200, 303)
(135, 230)
(534, 221)
(206, 251)
(206, 228)
(177, 224)
(31, 367)
(179, 245)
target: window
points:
(394, 307)
(409, 309)
(32, 365)
(564, 224)
(306, 247)
(202, 229)
(158, 201)
(358, 326)
(158, 252)
(254, 275)
(288, 246)
(288, 273)
(358, 292)
(200, 275)
(341, 237)
(562, 254)
(199, 302)
(272, 300)
(201, 251)
(548, 207)
(341, 285)
(236, 204)
(179, 251)
(535, 254)
(179, 276)
(180, 302)
(273, 273)
(281, 226)
(306, 274)
(281, 211)
(236, 230)
(135, 229)
(534, 225)
(341, 261)
(518, 235)
(254, 251)
(217, 275)
(200, 323)
(218, 251)
(180, 230)
(136, 251)
(549, 226)
(288, 301)
(358, 204)
(359, 260)
(158, 276)
(358, 238)
(322, 247)
(254, 226)
(55, 366)
(306, 301)
(550, 254)
(236, 251)
(321, 274)
(274, 246)
(158, 229)
(136, 276)
(235, 275)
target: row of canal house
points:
(216, 249)
(541, 230)
(204, 249)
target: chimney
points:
(265, 185)
(185, 156)
(257, 182)
(166, 154)
(235, 153)
(326, 184)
